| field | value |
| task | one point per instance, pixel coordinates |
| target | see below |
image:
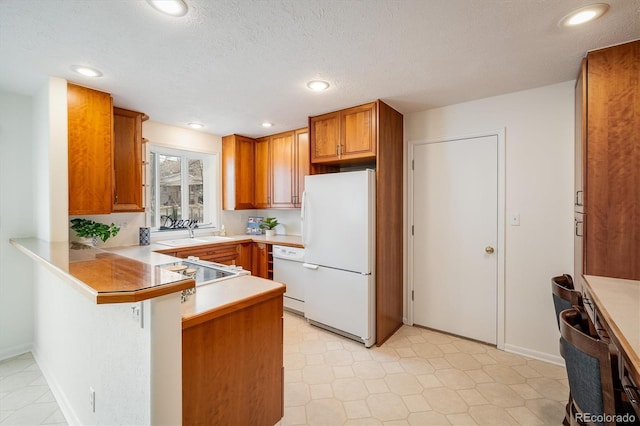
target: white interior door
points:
(455, 219)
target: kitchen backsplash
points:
(235, 221)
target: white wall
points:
(16, 220)
(539, 185)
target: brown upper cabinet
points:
(238, 164)
(280, 163)
(127, 160)
(90, 130)
(105, 154)
(344, 136)
(611, 155)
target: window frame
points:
(210, 184)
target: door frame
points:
(500, 314)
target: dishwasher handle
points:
(310, 266)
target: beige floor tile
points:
(338, 357)
(439, 363)
(548, 370)
(416, 366)
(392, 367)
(526, 371)
(368, 369)
(321, 391)
(448, 348)
(33, 414)
(369, 421)
(387, 407)
(455, 379)
(491, 415)
(416, 339)
(403, 384)
(356, 409)
(506, 358)
(55, 419)
(343, 371)
(325, 412)
(406, 352)
(384, 354)
(429, 381)
(427, 350)
(445, 400)
(472, 397)
(428, 418)
(524, 416)
(461, 419)
(462, 361)
(315, 359)
(314, 374)
(334, 346)
(294, 361)
(416, 403)
(376, 386)
(296, 394)
(479, 376)
(503, 374)
(484, 359)
(361, 356)
(500, 394)
(349, 389)
(550, 388)
(550, 412)
(294, 416)
(470, 347)
(525, 391)
(292, 376)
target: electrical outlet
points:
(136, 313)
(92, 399)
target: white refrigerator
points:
(338, 232)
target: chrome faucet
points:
(191, 226)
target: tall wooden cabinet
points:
(238, 164)
(611, 156)
(127, 160)
(90, 150)
(262, 184)
(371, 135)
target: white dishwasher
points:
(287, 269)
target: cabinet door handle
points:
(579, 230)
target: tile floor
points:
(25, 398)
(419, 377)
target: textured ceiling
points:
(232, 64)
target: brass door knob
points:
(489, 250)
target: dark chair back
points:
(588, 364)
(564, 294)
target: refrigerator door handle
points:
(310, 266)
(303, 212)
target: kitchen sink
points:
(181, 242)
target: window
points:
(183, 187)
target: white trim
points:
(61, 398)
(500, 314)
(15, 351)
(530, 353)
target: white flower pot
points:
(269, 232)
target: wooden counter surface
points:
(618, 301)
(103, 276)
(220, 298)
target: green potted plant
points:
(86, 228)
(269, 224)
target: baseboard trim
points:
(66, 408)
(15, 351)
(530, 353)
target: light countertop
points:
(618, 301)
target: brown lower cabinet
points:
(232, 367)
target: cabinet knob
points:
(489, 250)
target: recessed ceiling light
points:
(169, 7)
(584, 14)
(318, 85)
(267, 124)
(86, 71)
(194, 125)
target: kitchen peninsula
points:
(117, 315)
